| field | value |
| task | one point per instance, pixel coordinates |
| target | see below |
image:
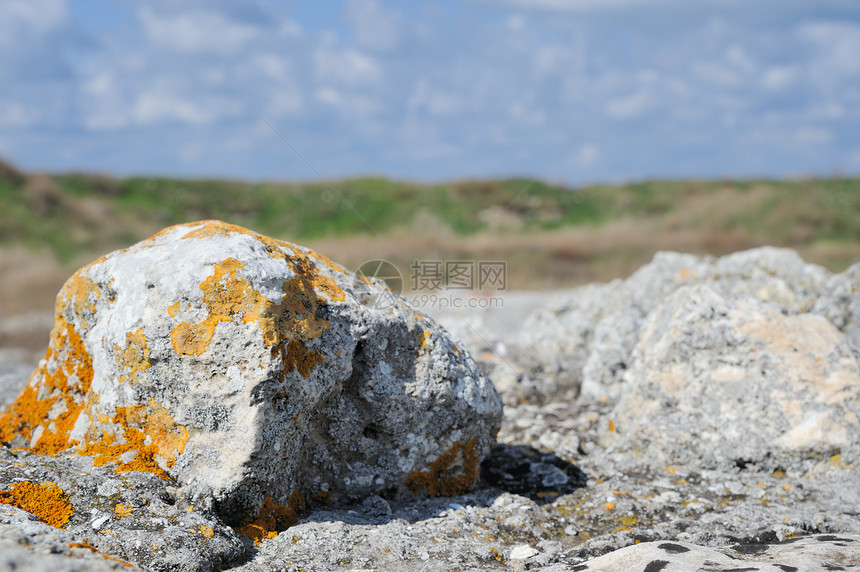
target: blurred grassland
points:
(551, 236)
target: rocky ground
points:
(700, 415)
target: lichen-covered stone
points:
(252, 368)
(107, 518)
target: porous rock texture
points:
(256, 370)
(701, 414)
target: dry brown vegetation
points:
(551, 237)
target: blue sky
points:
(433, 90)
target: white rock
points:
(522, 552)
(716, 379)
(822, 552)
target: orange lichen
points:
(148, 431)
(173, 309)
(452, 473)
(46, 411)
(79, 294)
(45, 500)
(134, 357)
(225, 294)
(299, 358)
(122, 510)
(207, 531)
(87, 546)
(272, 518)
(285, 326)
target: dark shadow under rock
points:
(524, 470)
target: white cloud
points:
(14, 114)
(630, 106)
(813, 135)
(157, 107)
(587, 155)
(195, 31)
(733, 70)
(529, 114)
(352, 105)
(738, 57)
(348, 65)
(435, 101)
(838, 46)
(779, 77)
(375, 26)
(273, 66)
(18, 17)
(516, 23)
(152, 108)
(584, 5)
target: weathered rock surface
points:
(131, 516)
(583, 342)
(718, 380)
(822, 552)
(254, 369)
(701, 413)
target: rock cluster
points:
(702, 414)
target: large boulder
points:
(717, 380)
(580, 346)
(256, 371)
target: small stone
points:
(523, 552)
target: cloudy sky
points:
(571, 90)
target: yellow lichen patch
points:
(122, 510)
(452, 473)
(225, 294)
(45, 500)
(272, 518)
(837, 463)
(134, 357)
(425, 339)
(148, 431)
(173, 309)
(80, 294)
(278, 249)
(207, 531)
(285, 326)
(627, 522)
(46, 411)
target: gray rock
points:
(582, 344)
(840, 303)
(255, 369)
(133, 516)
(717, 381)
